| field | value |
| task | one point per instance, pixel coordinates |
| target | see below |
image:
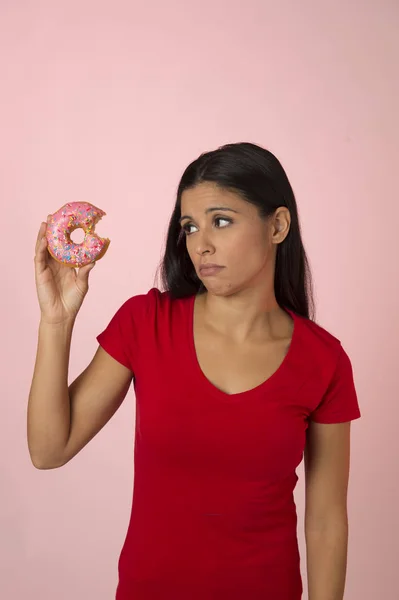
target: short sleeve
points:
(128, 328)
(339, 403)
(117, 338)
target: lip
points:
(210, 269)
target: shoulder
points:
(146, 301)
(316, 334)
(154, 304)
(329, 375)
(324, 350)
(141, 324)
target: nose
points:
(204, 244)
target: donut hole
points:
(78, 235)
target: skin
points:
(237, 318)
(241, 334)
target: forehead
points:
(204, 195)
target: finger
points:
(84, 272)
(41, 255)
(41, 234)
(41, 231)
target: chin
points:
(219, 288)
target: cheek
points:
(249, 248)
(190, 246)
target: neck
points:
(249, 314)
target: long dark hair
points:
(258, 177)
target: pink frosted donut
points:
(62, 223)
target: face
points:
(224, 230)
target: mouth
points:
(210, 269)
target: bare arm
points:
(327, 457)
(62, 421)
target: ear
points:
(281, 224)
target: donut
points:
(60, 225)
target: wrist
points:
(64, 326)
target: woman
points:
(234, 383)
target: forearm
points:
(49, 403)
(326, 549)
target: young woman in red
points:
(235, 383)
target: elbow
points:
(46, 463)
(333, 523)
(44, 458)
(44, 466)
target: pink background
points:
(107, 102)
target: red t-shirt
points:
(213, 515)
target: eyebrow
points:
(209, 210)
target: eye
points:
(221, 219)
(187, 228)
(219, 222)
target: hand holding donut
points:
(60, 289)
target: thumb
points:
(83, 273)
